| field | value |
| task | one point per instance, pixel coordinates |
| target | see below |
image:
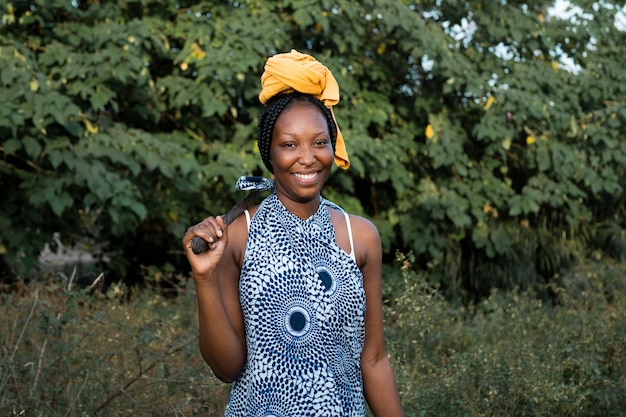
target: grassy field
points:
(67, 351)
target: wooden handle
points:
(199, 245)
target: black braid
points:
(274, 107)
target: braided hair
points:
(274, 107)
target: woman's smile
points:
(307, 177)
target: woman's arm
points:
(216, 278)
(379, 382)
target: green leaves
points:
(467, 126)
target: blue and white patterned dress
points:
(304, 310)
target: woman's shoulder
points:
(364, 232)
(238, 235)
(363, 227)
(356, 221)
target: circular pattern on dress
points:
(297, 321)
(273, 405)
(328, 280)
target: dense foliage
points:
(71, 352)
(487, 137)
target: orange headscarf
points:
(295, 71)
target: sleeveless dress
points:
(304, 311)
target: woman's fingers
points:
(214, 232)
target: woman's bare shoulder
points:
(359, 224)
(238, 236)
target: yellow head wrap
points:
(300, 72)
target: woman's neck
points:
(302, 209)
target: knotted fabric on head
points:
(295, 71)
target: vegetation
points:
(72, 352)
(513, 354)
(485, 137)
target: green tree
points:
(486, 137)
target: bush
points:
(512, 354)
(74, 352)
(70, 352)
(472, 142)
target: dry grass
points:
(76, 353)
(69, 352)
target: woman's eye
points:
(322, 142)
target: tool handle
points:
(199, 245)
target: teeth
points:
(306, 176)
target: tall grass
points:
(76, 352)
(513, 354)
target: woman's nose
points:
(307, 155)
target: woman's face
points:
(301, 153)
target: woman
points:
(289, 296)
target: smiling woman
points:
(301, 151)
(289, 296)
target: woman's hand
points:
(215, 232)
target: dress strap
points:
(347, 216)
(247, 213)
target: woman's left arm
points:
(379, 382)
